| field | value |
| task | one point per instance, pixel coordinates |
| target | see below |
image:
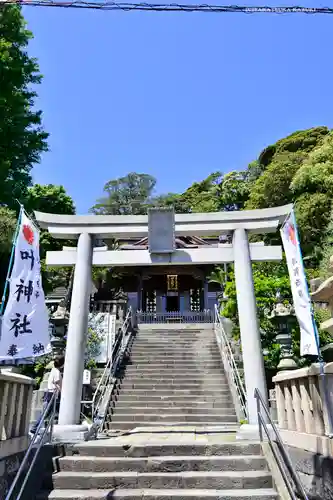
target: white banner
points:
(25, 323)
(299, 287)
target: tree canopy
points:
(22, 137)
(129, 195)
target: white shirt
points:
(53, 380)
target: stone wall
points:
(41, 472)
(8, 468)
(315, 472)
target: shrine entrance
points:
(172, 302)
(162, 227)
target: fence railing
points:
(301, 399)
(282, 459)
(15, 404)
(235, 382)
(206, 316)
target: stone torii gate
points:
(88, 229)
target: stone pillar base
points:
(250, 432)
(70, 433)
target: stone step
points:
(176, 355)
(178, 480)
(174, 364)
(169, 409)
(171, 398)
(174, 380)
(161, 494)
(107, 448)
(170, 348)
(130, 425)
(181, 373)
(176, 337)
(178, 332)
(123, 402)
(187, 351)
(152, 331)
(212, 385)
(167, 464)
(180, 361)
(195, 392)
(174, 341)
(186, 356)
(163, 418)
(175, 368)
(174, 345)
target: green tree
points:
(22, 137)
(49, 198)
(129, 195)
(52, 199)
(233, 191)
(277, 166)
(297, 170)
(170, 200)
(268, 278)
(7, 229)
(203, 196)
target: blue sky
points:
(177, 96)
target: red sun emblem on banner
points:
(28, 234)
(291, 234)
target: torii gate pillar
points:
(248, 321)
(70, 406)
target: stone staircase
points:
(176, 432)
(164, 467)
(174, 377)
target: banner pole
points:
(287, 217)
(10, 265)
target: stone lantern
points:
(282, 316)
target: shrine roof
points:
(180, 242)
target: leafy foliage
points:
(129, 195)
(22, 138)
(49, 198)
(7, 229)
(203, 196)
(267, 279)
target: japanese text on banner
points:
(299, 287)
(25, 323)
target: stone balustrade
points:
(300, 400)
(15, 407)
(304, 425)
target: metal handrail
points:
(51, 404)
(230, 366)
(283, 452)
(107, 380)
(104, 379)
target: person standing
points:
(54, 383)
